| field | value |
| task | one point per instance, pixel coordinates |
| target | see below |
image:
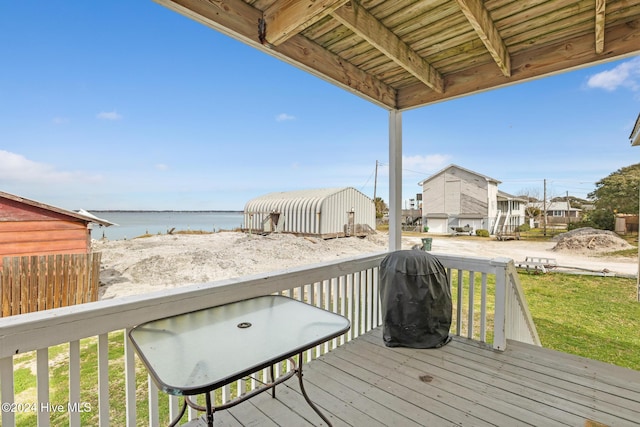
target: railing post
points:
(42, 384)
(74, 382)
(7, 390)
(500, 309)
(130, 381)
(103, 380)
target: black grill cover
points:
(415, 299)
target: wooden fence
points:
(36, 283)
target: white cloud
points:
(109, 115)
(59, 120)
(283, 117)
(626, 75)
(425, 164)
(17, 168)
(161, 167)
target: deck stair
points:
(497, 222)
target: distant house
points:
(558, 213)
(458, 197)
(28, 227)
(326, 213)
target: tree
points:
(381, 207)
(600, 218)
(532, 208)
(618, 192)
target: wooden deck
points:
(363, 383)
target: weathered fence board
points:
(42, 282)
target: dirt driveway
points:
(519, 249)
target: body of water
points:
(136, 223)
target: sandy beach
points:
(143, 265)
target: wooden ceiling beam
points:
(623, 40)
(364, 24)
(600, 24)
(479, 18)
(239, 20)
(286, 18)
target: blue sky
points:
(128, 105)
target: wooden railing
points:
(43, 282)
(347, 286)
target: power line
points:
(365, 184)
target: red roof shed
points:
(28, 227)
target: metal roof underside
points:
(403, 54)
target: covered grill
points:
(415, 299)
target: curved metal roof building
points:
(326, 212)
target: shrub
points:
(603, 219)
(482, 232)
(524, 227)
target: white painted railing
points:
(476, 284)
(518, 323)
(347, 286)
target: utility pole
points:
(544, 207)
(375, 187)
(375, 183)
(568, 209)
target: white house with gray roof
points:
(458, 197)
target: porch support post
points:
(395, 180)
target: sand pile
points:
(589, 239)
(149, 264)
(144, 265)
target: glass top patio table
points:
(200, 351)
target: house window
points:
(557, 213)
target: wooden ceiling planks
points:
(361, 22)
(533, 63)
(402, 54)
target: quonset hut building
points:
(326, 213)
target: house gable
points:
(456, 196)
(457, 191)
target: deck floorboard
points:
(464, 383)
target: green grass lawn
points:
(594, 317)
